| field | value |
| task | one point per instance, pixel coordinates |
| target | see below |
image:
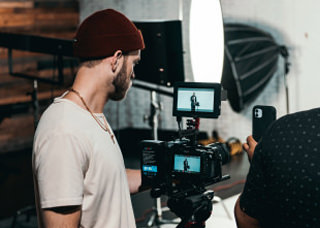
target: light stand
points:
(155, 108)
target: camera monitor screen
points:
(197, 99)
(186, 164)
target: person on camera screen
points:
(186, 166)
(283, 184)
(194, 102)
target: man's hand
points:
(249, 146)
(134, 179)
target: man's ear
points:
(115, 60)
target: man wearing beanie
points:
(79, 174)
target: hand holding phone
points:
(250, 146)
(262, 117)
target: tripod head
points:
(193, 209)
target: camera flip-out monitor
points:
(185, 163)
(193, 99)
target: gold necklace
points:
(106, 128)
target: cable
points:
(228, 186)
(118, 122)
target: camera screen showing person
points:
(187, 164)
(197, 99)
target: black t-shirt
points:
(283, 183)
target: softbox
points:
(250, 60)
(162, 59)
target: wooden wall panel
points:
(16, 4)
(50, 18)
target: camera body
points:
(175, 166)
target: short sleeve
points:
(252, 200)
(60, 163)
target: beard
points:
(121, 83)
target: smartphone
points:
(262, 117)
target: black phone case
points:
(262, 117)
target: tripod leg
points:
(156, 213)
(159, 208)
(152, 219)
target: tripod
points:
(193, 209)
(155, 108)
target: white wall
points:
(293, 23)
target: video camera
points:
(182, 168)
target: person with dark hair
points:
(283, 184)
(194, 102)
(79, 174)
(186, 166)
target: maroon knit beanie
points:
(105, 32)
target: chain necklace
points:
(105, 127)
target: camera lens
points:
(223, 150)
(225, 153)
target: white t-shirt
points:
(75, 162)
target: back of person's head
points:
(103, 33)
